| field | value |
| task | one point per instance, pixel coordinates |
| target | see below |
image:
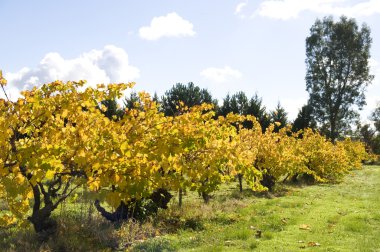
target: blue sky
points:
(224, 46)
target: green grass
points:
(338, 217)
(328, 217)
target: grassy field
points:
(338, 217)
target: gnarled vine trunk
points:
(268, 181)
(137, 209)
(44, 205)
(41, 216)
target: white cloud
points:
(221, 74)
(288, 9)
(109, 64)
(362, 9)
(240, 7)
(171, 25)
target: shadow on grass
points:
(81, 233)
(72, 235)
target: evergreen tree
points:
(278, 115)
(189, 94)
(304, 119)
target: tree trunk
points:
(268, 181)
(206, 197)
(240, 177)
(43, 223)
(333, 134)
(138, 209)
(180, 197)
(41, 219)
(294, 178)
(121, 212)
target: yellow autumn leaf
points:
(50, 174)
(64, 114)
(304, 227)
(29, 195)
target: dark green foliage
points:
(131, 101)
(239, 104)
(155, 98)
(189, 94)
(113, 111)
(376, 144)
(337, 73)
(376, 117)
(279, 115)
(257, 109)
(370, 138)
(304, 119)
(367, 135)
(226, 106)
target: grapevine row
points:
(56, 139)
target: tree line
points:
(337, 74)
(239, 103)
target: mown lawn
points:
(339, 217)
(327, 217)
